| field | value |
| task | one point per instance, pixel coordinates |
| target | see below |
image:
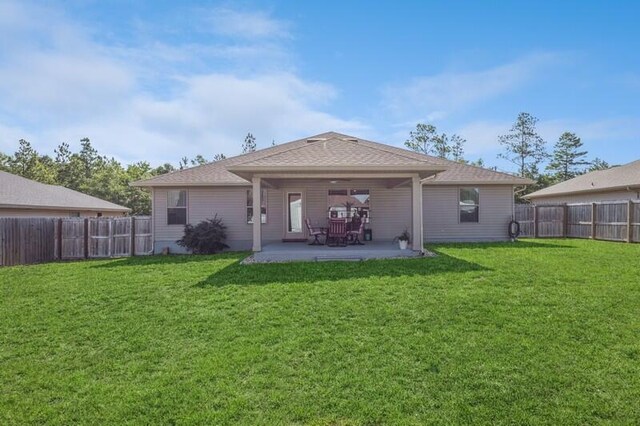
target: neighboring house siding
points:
(4, 212)
(593, 197)
(441, 214)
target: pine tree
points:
(249, 144)
(598, 164)
(457, 148)
(567, 158)
(441, 146)
(426, 140)
(422, 138)
(523, 146)
(199, 160)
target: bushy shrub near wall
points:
(207, 237)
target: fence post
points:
(565, 220)
(535, 221)
(59, 242)
(133, 236)
(630, 221)
(593, 221)
(86, 238)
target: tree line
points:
(92, 173)
(522, 146)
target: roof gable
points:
(336, 152)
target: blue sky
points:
(159, 80)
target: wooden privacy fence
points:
(611, 221)
(37, 240)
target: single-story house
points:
(619, 183)
(21, 197)
(315, 177)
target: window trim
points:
(460, 188)
(263, 192)
(186, 207)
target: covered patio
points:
(336, 178)
(302, 251)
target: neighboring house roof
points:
(329, 151)
(19, 192)
(615, 178)
(344, 199)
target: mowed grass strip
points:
(541, 331)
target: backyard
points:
(540, 331)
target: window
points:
(263, 206)
(349, 203)
(469, 205)
(177, 207)
(74, 214)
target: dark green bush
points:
(207, 237)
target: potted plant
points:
(403, 239)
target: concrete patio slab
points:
(296, 252)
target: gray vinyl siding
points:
(390, 212)
(229, 203)
(594, 197)
(441, 216)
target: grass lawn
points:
(544, 331)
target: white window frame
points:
(477, 205)
(263, 199)
(186, 206)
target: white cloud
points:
(139, 103)
(437, 96)
(248, 25)
(593, 130)
(482, 136)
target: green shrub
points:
(207, 237)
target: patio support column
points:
(257, 214)
(416, 201)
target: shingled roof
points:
(621, 177)
(19, 192)
(328, 151)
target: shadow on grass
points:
(520, 244)
(177, 259)
(311, 272)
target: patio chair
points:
(337, 234)
(315, 233)
(355, 232)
